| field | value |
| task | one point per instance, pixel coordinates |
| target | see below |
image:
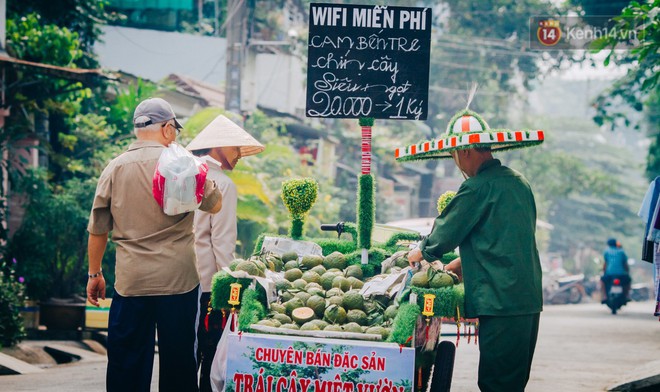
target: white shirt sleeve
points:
(215, 234)
(223, 226)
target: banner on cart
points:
(265, 363)
(368, 61)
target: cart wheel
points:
(444, 367)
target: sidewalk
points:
(84, 374)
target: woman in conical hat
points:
(492, 220)
(220, 144)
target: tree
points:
(638, 88)
(652, 116)
(81, 17)
(586, 187)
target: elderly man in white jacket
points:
(220, 144)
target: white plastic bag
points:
(178, 183)
(219, 365)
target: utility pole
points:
(200, 13)
(236, 48)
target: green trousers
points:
(506, 349)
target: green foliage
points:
(29, 40)
(366, 210)
(51, 243)
(587, 190)
(11, 299)
(199, 121)
(637, 87)
(653, 159)
(404, 323)
(120, 112)
(652, 117)
(251, 310)
(82, 17)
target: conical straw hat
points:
(222, 132)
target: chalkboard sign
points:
(368, 61)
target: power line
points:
(139, 45)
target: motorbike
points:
(565, 290)
(615, 296)
(640, 292)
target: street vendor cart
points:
(305, 321)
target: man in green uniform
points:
(492, 219)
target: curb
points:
(646, 379)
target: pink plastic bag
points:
(178, 182)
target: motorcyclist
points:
(616, 266)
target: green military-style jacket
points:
(492, 219)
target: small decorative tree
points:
(444, 199)
(299, 195)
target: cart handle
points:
(339, 228)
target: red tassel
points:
(469, 333)
(458, 333)
(224, 319)
(206, 322)
(476, 332)
(401, 346)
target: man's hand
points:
(95, 289)
(415, 256)
(456, 267)
(96, 285)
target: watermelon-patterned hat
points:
(468, 130)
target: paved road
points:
(581, 348)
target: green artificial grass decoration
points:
(366, 121)
(448, 257)
(444, 199)
(296, 230)
(392, 243)
(329, 245)
(366, 210)
(299, 195)
(220, 290)
(446, 300)
(251, 310)
(376, 257)
(351, 228)
(403, 326)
